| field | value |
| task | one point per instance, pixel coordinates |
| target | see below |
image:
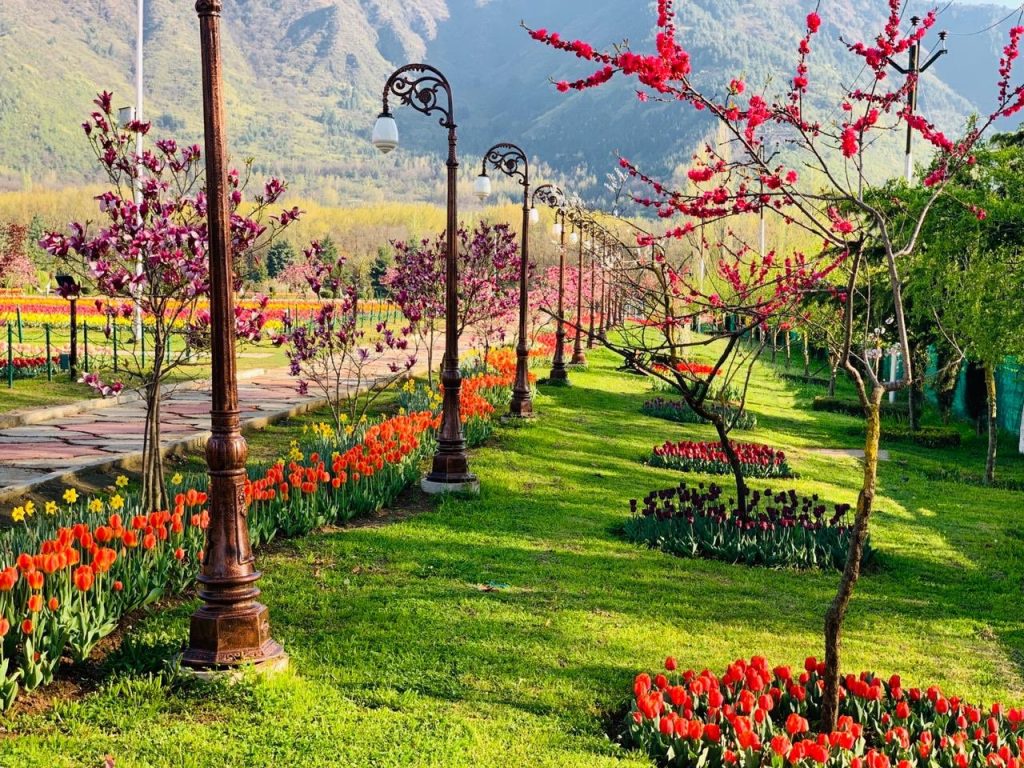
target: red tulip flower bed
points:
(692, 370)
(27, 367)
(757, 460)
(755, 716)
(778, 529)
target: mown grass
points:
(399, 658)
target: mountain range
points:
(304, 81)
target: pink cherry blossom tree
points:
(333, 354)
(154, 255)
(741, 177)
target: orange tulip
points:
(83, 578)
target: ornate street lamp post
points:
(231, 627)
(553, 197)
(421, 87)
(593, 289)
(578, 356)
(511, 160)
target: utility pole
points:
(139, 35)
(914, 70)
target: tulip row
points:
(689, 369)
(37, 311)
(679, 411)
(757, 460)
(64, 586)
(27, 367)
(777, 529)
(756, 716)
(358, 477)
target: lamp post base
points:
(236, 674)
(469, 485)
(559, 374)
(227, 639)
(580, 359)
(520, 408)
(553, 382)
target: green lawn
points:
(399, 658)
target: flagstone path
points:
(50, 449)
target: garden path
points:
(58, 447)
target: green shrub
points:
(852, 407)
(928, 437)
(963, 477)
(679, 411)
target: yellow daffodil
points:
(344, 418)
(121, 481)
(51, 507)
(177, 479)
(116, 502)
(96, 506)
(70, 496)
(18, 514)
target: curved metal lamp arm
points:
(420, 86)
(550, 195)
(510, 160)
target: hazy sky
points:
(1007, 3)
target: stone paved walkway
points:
(36, 453)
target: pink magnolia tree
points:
(154, 255)
(333, 353)
(416, 282)
(488, 290)
(741, 178)
(16, 268)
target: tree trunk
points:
(836, 612)
(789, 351)
(993, 425)
(915, 397)
(1020, 445)
(946, 381)
(807, 357)
(734, 464)
(430, 359)
(154, 489)
(775, 343)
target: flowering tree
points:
(154, 254)
(336, 356)
(966, 284)
(416, 282)
(488, 288)
(16, 268)
(745, 179)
